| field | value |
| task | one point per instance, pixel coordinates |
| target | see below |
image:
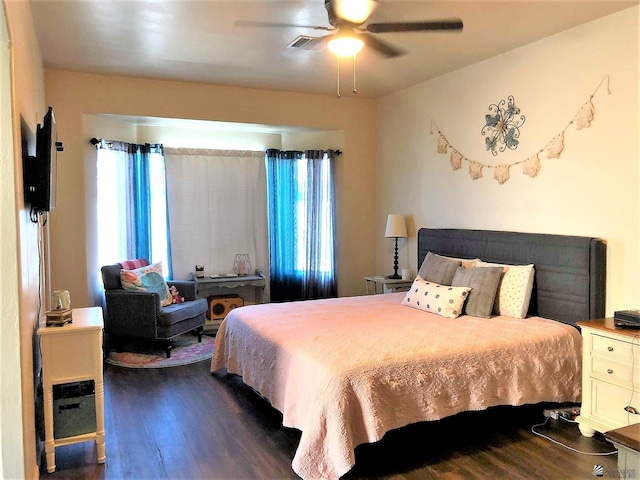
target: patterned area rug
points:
(151, 355)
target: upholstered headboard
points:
(569, 270)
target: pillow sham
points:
(514, 292)
(484, 283)
(443, 300)
(438, 269)
(147, 279)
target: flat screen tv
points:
(40, 171)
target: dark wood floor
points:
(183, 422)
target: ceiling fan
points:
(349, 34)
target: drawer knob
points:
(630, 409)
(609, 371)
(610, 349)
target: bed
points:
(346, 371)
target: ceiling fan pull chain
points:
(338, 59)
(354, 75)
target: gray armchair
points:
(135, 314)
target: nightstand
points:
(610, 377)
(387, 285)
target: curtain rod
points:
(97, 141)
(94, 141)
(337, 152)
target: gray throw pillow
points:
(438, 269)
(484, 283)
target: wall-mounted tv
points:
(40, 171)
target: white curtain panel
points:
(217, 209)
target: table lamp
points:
(396, 228)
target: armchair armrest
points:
(186, 289)
(131, 313)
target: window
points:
(301, 224)
(324, 212)
(132, 205)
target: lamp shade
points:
(396, 226)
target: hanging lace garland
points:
(530, 166)
(501, 173)
(555, 147)
(584, 116)
(475, 170)
(455, 160)
(442, 143)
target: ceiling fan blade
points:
(454, 24)
(381, 47)
(249, 23)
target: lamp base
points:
(395, 276)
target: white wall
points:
(201, 135)
(20, 245)
(591, 190)
(11, 447)
(318, 140)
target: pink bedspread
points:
(345, 371)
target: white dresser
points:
(610, 377)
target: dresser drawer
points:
(610, 371)
(615, 349)
(608, 403)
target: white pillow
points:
(435, 298)
(514, 291)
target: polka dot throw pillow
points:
(514, 291)
(435, 298)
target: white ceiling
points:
(198, 41)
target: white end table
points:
(73, 353)
(389, 285)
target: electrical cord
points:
(40, 267)
(633, 365)
(35, 216)
(633, 342)
(564, 445)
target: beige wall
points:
(18, 430)
(210, 135)
(591, 190)
(73, 95)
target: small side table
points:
(73, 353)
(627, 441)
(387, 285)
(219, 285)
(207, 284)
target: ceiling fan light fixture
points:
(354, 11)
(345, 45)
